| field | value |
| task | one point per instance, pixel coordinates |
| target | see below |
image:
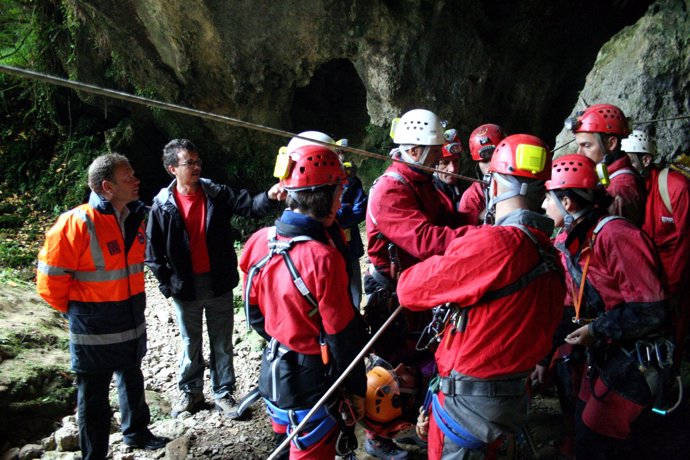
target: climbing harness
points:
(453, 319)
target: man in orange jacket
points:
(92, 268)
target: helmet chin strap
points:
(568, 219)
(403, 149)
(515, 188)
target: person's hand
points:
(277, 192)
(580, 336)
(357, 405)
(422, 427)
(538, 374)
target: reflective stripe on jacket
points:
(89, 271)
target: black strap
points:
(547, 263)
(275, 247)
(572, 262)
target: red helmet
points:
(484, 140)
(522, 155)
(573, 171)
(600, 118)
(313, 166)
(451, 150)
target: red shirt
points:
(628, 190)
(193, 211)
(505, 336)
(670, 231)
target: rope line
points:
(148, 102)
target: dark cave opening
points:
(333, 102)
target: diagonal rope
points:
(148, 102)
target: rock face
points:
(645, 70)
(339, 65)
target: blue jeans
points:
(93, 409)
(219, 322)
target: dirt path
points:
(208, 435)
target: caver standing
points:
(91, 268)
(191, 252)
(598, 134)
(406, 223)
(296, 297)
(483, 142)
(505, 289)
(617, 287)
(449, 187)
(667, 222)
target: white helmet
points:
(418, 127)
(296, 142)
(638, 142)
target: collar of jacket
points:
(292, 224)
(410, 173)
(165, 196)
(104, 206)
(529, 219)
(581, 230)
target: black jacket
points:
(167, 253)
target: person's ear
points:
(612, 143)
(568, 204)
(647, 160)
(106, 186)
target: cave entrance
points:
(333, 102)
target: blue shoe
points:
(385, 448)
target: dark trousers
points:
(93, 409)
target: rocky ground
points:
(209, 435)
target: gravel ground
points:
(209, 435)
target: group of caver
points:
(498, 296)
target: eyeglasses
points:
(191, 163)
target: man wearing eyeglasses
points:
(191, 253)
(449, 186)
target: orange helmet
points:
(382, 403)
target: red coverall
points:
(628, 191)
(410, 215)
(503, 337)
(473, 201)
(285, 317)
(625, 271)
(670, 232)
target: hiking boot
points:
(189, 402)
(385, 448)
(227, 405)
(414, 440)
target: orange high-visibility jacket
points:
(88, 270)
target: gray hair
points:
(103, 168)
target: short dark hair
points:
(103, 168)
(172, 148)
(317, 203)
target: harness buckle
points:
(664, 349)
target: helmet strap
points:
(515, 188)
(404, 149)
(568, 219)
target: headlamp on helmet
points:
(530, 158)
(283, 164)
(451, 135)
(571, 124)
